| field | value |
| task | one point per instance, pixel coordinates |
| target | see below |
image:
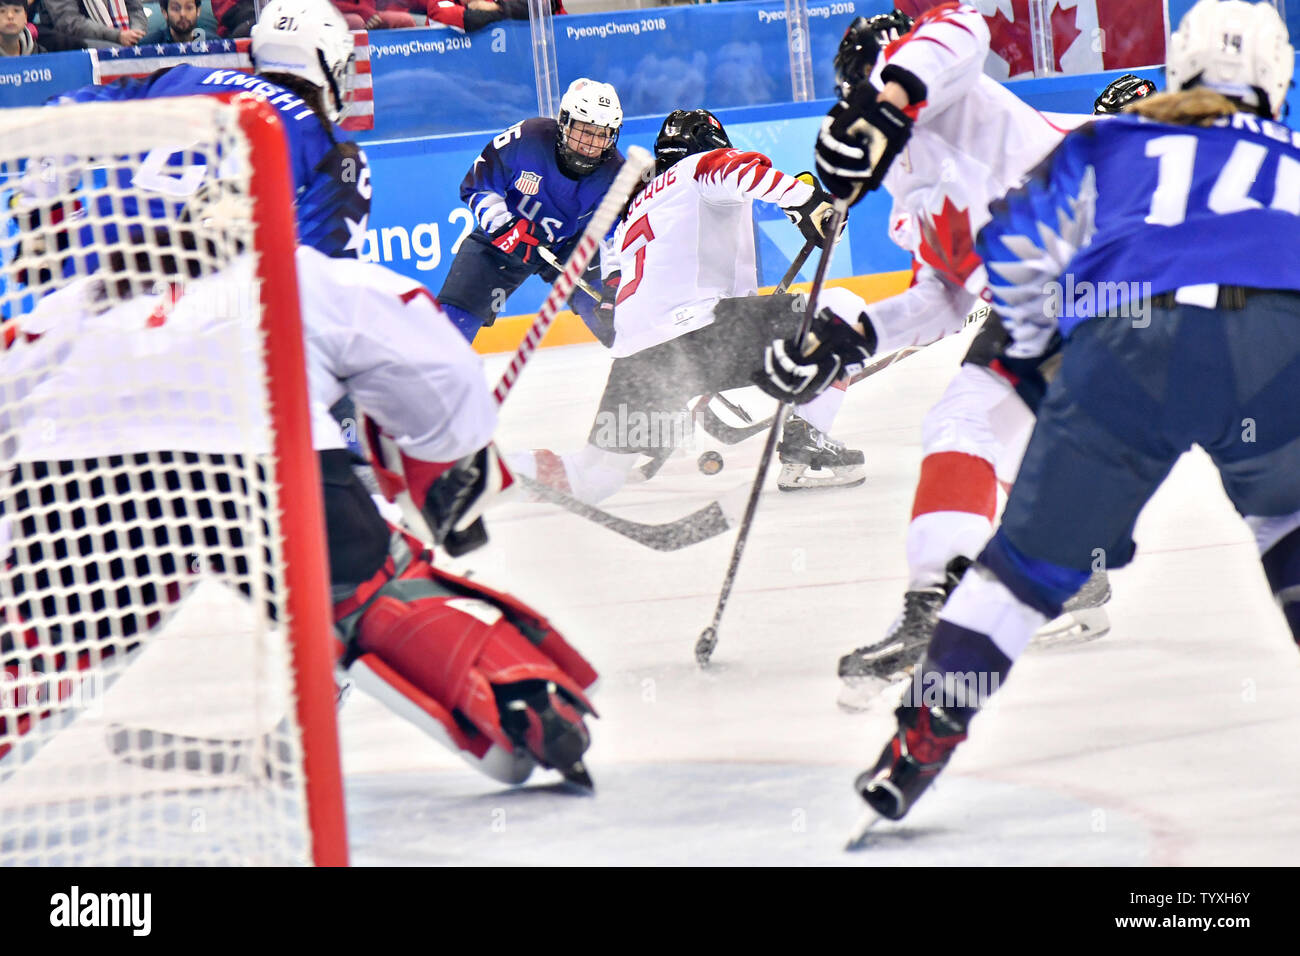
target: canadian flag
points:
(1087, 36)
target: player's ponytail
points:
(1199, 106)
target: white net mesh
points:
(146, 702)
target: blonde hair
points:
(1199, 106)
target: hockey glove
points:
(517, 239)
(813, 215)
(604, 318)
(858, 142)
(446, 497)
(799, 376)
(1030, 376)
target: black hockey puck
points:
(710, 463)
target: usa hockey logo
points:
(528, 183)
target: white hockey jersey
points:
(177, 371)
(973, 140)
(688, 240)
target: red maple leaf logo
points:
(947, 244)
(1064, 32)
(1010, 39)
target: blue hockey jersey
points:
(517, 176)
(1125, 208)
(330, 177)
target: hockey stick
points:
(795, 266)
(880, 364)
(707, 522)
(637, 164)
(727, 434)
(708, 639)
(549, 258)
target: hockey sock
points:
(591, 474)
(467, 323)
(1282, 567)
(981, 631)
(821, 411)
(952, 514)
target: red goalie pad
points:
(474, 667)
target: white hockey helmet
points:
(1237, 48)
(308, 39)
(590, 117)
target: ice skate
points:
(920, 749)
(541, 718)
(1084, 617)
(868, 670)
(810, 459)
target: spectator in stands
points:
(182, 23)
(235, 18)
(16, 36)
(372, 15)
(98, 24)
(467, 15)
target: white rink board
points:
(1169, 741)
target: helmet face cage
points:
(584, 146)
(861, 46)
(1120, 93)
(686, 132)
(337, 76)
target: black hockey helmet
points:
(861, 46)
(1121, 93)
(686, 132)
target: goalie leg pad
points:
(475, 668)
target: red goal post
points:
(173, 703)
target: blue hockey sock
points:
(466, 322)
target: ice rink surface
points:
(1172, 740)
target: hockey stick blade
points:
(728, 434)
(707, 522)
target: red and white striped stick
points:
(636, 168)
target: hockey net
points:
(166, 695)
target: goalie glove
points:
(857, 144)
(812, 216)
(837, 349)
(447, 497)
(517, 239)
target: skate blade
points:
(1074, 627)
(577, 780)
(797, 477)
(858, 835)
